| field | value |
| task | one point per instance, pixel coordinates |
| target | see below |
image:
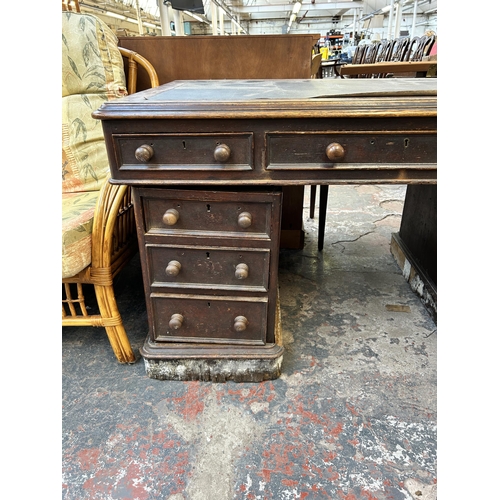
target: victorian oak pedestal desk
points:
(206, 161)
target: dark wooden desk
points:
(207, 160)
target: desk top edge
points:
(278, 98)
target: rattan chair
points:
(113, 244)
(71, 5)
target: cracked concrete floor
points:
(353, 415)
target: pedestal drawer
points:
(175, 266)
(205, 213)
(203, 318)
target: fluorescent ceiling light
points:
(296, 7)
(117, 16)
(194, 16)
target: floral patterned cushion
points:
(92, 73)
(78, 214)
(91, 60)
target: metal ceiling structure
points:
(343, 15)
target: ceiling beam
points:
(287, 7)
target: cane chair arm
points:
(113, 228)
(133, 60)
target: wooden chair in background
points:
(315, 65)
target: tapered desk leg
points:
(323, 199)
(312, 202)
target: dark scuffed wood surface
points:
(278, 99)
(257, 90)
(419, 227)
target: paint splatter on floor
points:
(353, 416)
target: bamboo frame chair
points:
(71, 5)
(114, 243)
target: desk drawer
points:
(319, 151)
(200, 318)
(209, 213)
(208, 267)
(183, 152)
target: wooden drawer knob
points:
(173, 268)
(245, 219)
(335, 151)
(170, 217)
(241, 271)
(144, 153)
(240, 323)
(222, 153)
(176, 321)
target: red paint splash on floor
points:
(191, 404)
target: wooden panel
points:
(224, 57)
(419, 227)
(292, 233)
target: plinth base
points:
(214, 370)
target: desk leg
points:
(323, 200)
(312, 204)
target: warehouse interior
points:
(365, 378)
(355, 18)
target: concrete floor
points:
(353, 416)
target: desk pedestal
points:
(210, 269)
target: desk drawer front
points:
(181, 318)
(208, 217)
(308, 150)
(208, 267)
(170, 152)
